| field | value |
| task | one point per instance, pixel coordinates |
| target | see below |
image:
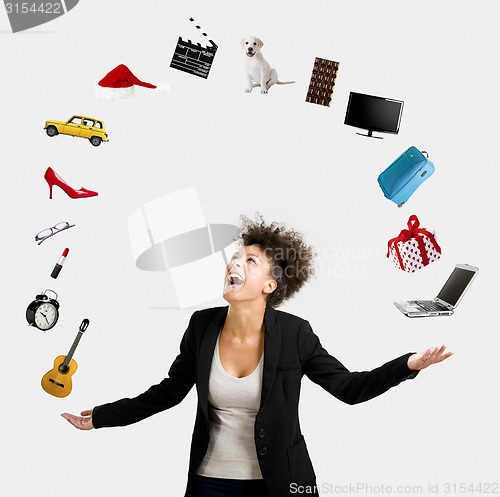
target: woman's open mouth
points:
(234, 280)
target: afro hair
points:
(291, 259)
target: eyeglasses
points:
(48, 232)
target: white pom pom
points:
(113, 93)
(162, 87)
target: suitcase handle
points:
(424, 152)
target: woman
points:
(247, 360)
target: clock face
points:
(46, 316)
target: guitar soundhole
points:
(63, 369)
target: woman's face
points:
(247, 276)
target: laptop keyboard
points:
(429, 305)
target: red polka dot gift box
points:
(414, 248)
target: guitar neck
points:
(72, 350)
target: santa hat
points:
(119, 83)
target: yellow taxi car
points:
(84, 127)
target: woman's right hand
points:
(82, 423)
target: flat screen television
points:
(373, 114)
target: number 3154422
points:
(33, 7)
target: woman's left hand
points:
(430, 356)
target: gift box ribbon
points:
(419, 234)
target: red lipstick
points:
(59, 265)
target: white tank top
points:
(233, 404)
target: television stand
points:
(370, 134)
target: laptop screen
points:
(456, 285)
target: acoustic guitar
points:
(57, 381)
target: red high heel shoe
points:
(52, 178)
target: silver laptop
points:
(448, 298)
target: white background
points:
(294, 162)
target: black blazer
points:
(291, 349)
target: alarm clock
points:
(43, 312)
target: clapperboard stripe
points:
(193, 58)
(204, 34)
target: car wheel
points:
(95, 140)
(52, 131)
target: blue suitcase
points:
(405, 175)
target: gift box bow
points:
(419, 234)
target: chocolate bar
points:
(323, 78)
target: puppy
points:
(259, 72)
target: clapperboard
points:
(192, 57)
